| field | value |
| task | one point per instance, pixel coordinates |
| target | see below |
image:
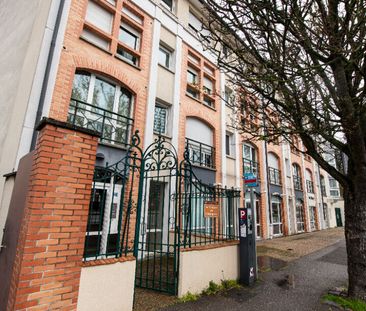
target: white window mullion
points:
(89, 100)
(117, 95)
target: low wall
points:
(109, 286)
(197, 267)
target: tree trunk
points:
(355, 231)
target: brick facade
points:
(49, 254)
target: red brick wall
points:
(79, 54)
(49, 255)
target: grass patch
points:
(212, 289)
(225, 285)
(353, 304)
(189, 297)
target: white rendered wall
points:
(198, 268)
(107, 287)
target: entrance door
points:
(154, 228)
(338, 217)
(276, 216)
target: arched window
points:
(297, 176)
(250, 160)
(199, 141)
(101, 105)
(309, 181)
(274, 172)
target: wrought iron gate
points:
(151, 205)
(158, 242)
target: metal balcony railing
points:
(200, 154)
(274, 176)
(114, 128)
(309, 186)
(297, 183)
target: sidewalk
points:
(298, 286)
(300, 257)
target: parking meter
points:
(247, 251)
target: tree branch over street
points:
(300, 67)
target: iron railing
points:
(309, 186)
(114, 128)
(200, 154)
(274, 176)
(250, 166)
(297, 183)
(209, 214)
(111, 222)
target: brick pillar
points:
(48, 262)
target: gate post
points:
(47, 267)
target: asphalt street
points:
(298, 286)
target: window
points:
(167, 4)
(250, 162)
(230, 144)
(309, 181)
(113, 2)
(274, 174)
(297, 177)
(100, 29)
(207, 85)
(194, 23)
(130, 38)
(192, 80)
(160, 119)
(99, 17)
(137, 18)
(200, 80)
(101, 105)
(229, 97)
(199, 142)
(165, 57)
(192, 76)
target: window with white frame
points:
(192, 76)
(160, 119)
(101, 105)
(167, 4)
(208, 85)
(132, 15)
(101, 19)
(130, 38)
(165, 57)
(250, 161)
(194, 23)
(230, 144)
(333, 187)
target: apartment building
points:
(118, 98)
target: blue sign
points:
(250, 180)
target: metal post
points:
(254, 236)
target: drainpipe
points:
(47, 72)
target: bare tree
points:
(300, 66)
